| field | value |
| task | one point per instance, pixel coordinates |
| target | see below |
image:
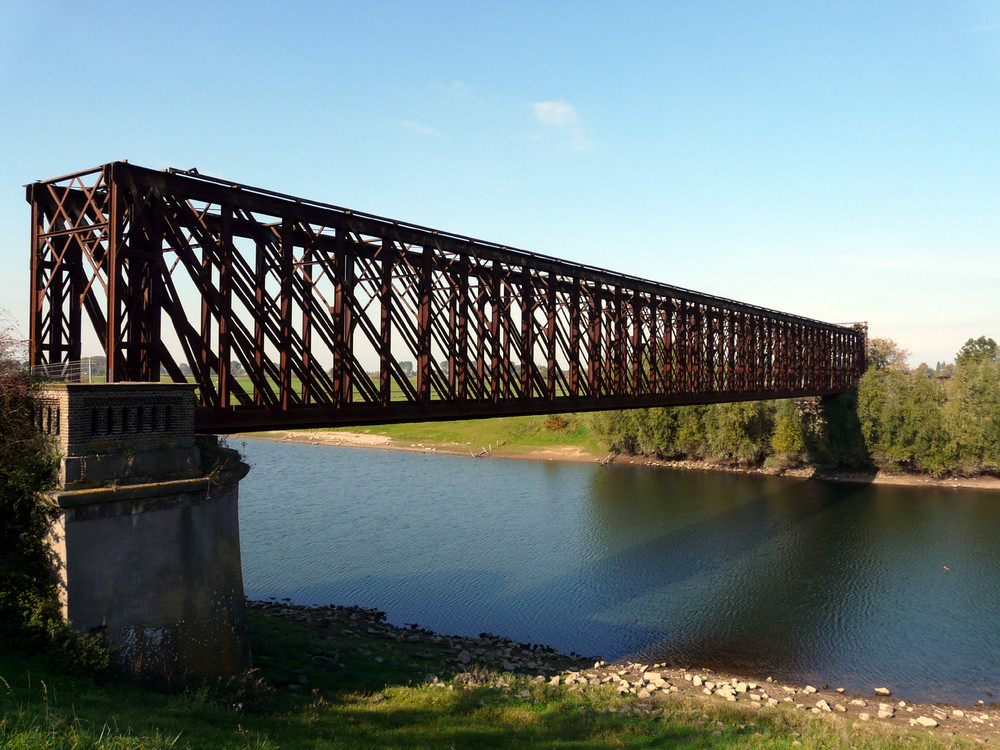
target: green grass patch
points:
(320, 687)
(508, 435)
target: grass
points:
(317, 687)
(508, 435)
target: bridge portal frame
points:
(295, 293)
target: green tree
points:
(616, 430)
(692, 436)
(972, 415)
(886, 354)
(977, 350)
(925, 426)
(945, 370)
(901, 418)
(787, 437)
(880, 414)
(740, 431)
(657, 431)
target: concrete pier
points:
(146, 544)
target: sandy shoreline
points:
(575, 453)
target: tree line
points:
(940, 420)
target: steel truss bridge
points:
(283, 306)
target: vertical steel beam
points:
(338, 264)
(155, 293)
(285, 270)
(712, 341)
(667, 358)
(574, 338)
(36, 316)
(653, 345)
(483, 294)
(308, 311)
(462, 326)
(207, 275)
(57, 303)
(550, 335)
(682, 348)
(115, 369)
(621, 333)
(636, 308)
(74, 261)
(349, 282)
(527, 333)
(260, 283)
(385, 297)
(425, 300)
(495, 357)
(506, 324)
(594, 353)
(226, 311)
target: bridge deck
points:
(293, 313)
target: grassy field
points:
(507, 435)
(321, 687)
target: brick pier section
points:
(146, 544)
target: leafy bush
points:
(740, 432)
(787, 438)
(30, 612)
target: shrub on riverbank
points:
(30, 613)
(740, 434)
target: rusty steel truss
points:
(293, 313)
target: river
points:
(850, 585)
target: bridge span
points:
(295, 313)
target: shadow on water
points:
(708, 583)
(808, 581)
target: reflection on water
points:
(849, 585)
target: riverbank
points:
(341, 677)
(497, 663)
(529, 438)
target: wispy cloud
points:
(561, 114)
(456, 89)
(556, 113)
(420, 128)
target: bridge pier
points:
(146, 542)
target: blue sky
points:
(839, 160)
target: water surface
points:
(846, 584)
